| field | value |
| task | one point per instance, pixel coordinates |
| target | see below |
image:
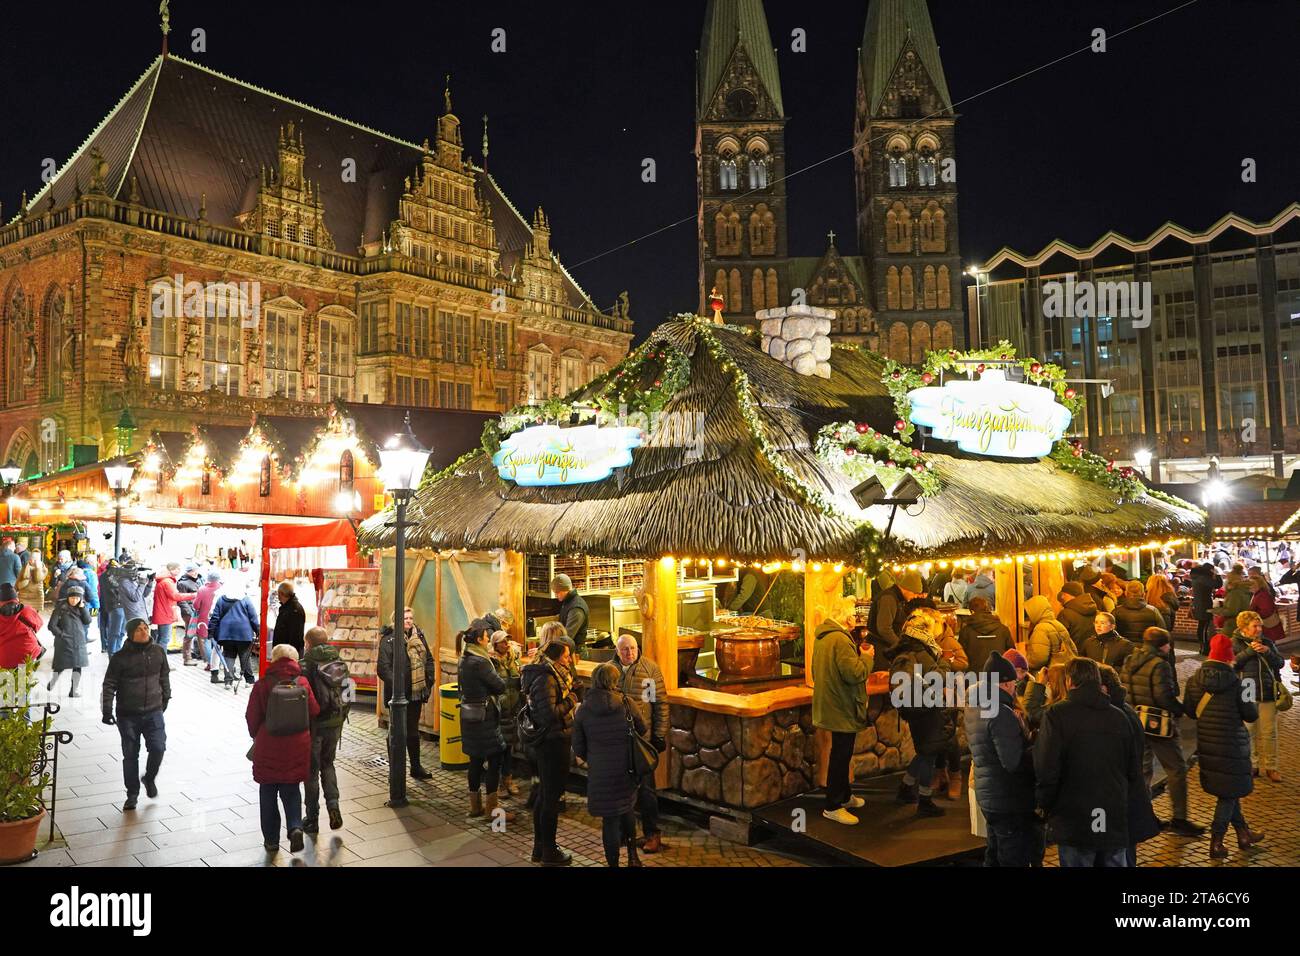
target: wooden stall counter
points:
(743, 705)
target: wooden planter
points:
(18, 839)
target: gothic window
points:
(945, 292)
(283, 362)
(733, 298)
(942, 336)
(727, 231)
(925, 167)
(891, 288)
(762, 231)
(897, 168)
(55, 311)
(15, 346)
(932, 228)
(757, 290)
(164, 342)
(907, 291)
(773, 290)
(760, 163)
(347, 470)
(927, 284)
(54, 445)
(539, 374)
(335, 359)
(920, 342)
(728, 176)
(898, 229)
(900, 344)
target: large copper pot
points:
(748, 652)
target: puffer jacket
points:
(384, 667)
(1077, 614)
(91, 584)
(1049, 640)
(69, 625)
(984, 634)
(550, 710)
(508, 670)
(1263, 604)
(1150, 680)
(1002, 759)
(600, 738)
(1259, 670)
(931, 729)
(287, 758)
(1133, 616)
(1222, 740)
(637, 679)
(19, 625)
(166, 597)
(131, 592)
(1204, 583)
(233, 621)
(839, 681)
(478, 683)
(139, 678)
(1235, 600)
(1086, 759)
(1109, 648)
(984, 587)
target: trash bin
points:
(449, 750)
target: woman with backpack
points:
(327, 673)
(600, 737)
(1049, 640)
(480, 691)
(280, 710)
(234, 624)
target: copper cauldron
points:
(748, 652)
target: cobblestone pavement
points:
(207, 814)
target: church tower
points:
(905, 165)
(740, 162)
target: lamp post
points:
(402, 461)
(9, 475)
(119, 479)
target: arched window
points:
(264, 478)
(762, 231)
(726, 226)
(920, 342)
(848, 320)
(728, 169)
(347, 470)
(539, 374)
(931, 296)
(758, 291)
(53, 444)
(925, 166)
(759, 165)
(945, 291)
(907, 291)
(734, 300)
(932, 228)
(335, 358)
(897, 167)
(898, 229)
(720, 284)
(942, 336)
(55, 311)
(900, 344)
(283, 361)
(891, 288)
(773, 290)
(16, 345)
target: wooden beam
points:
(822, 598)
(513, 580)
(1008, 596)
(659, 616)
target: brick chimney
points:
(799, 337)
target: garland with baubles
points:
(858, 451)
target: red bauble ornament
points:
(850, 450)
(927, 378)
(1077, 451)
(892, 464)
(896, 375)
(1070, 393)
(1110, 466)
(658, 383)
(918, 467)
(980, 368)
(1003, 356)
(863, 428)
(916, 453)
(899, 425)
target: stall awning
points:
(1260, 520)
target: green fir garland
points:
(857, 450)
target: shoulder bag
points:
(1156, 721)
(643, 758)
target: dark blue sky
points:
(1153, 129)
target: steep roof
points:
(191, 136)
(890, 25)
(729, 24)
(722, 495)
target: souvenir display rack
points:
(349, 611)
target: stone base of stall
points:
(749, 762)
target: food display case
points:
(349, 612)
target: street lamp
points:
(9, 475)
(401, 465)
(119, 479)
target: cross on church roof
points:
(831, 236)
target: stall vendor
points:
(573, 610)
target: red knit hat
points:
(1221, 649)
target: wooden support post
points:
(821, 600)
(659, 619)
(1049, 578)
(512, 593)
(1008, 597)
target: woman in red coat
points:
(280, 761)
(1261, 602)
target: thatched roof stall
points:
(734, 471)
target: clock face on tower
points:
(741, 103)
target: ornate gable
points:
(288, 204)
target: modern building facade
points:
(902, 293)
(215, 251)
(1198, 334)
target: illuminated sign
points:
(550, 455)
(991, 416)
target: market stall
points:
(705, 449)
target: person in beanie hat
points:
(19, 625)
(573, 610)
(1150, 680)
(138, 678)
(1090, 578)
(1077, 611)
(983, 633)
(889, 601)
(69, 625)
(1214, 699)
(1002, 768)
(917, 656)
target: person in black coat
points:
(1214, 699)
(290, 619)
(918, 655)
(548, 686)
(1142, 822)
(1204, 583)
(600, 737)
(480, 689)
(69, 624)
(1133, 614)
(189, 583)
(983, 633)
(1077, 611)
(1002, 769)
(573, 611)
(416, 697)
(1086, 760)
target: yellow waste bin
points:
(449, 749)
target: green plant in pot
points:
(23, 777)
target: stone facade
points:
(799, 337)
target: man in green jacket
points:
(840, 672)
(1236, 598)
(326, 730)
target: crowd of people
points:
(1086, 704)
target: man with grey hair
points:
(573, 610)
(642, 683)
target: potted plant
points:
(23, 777)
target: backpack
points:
(329, 682)
(287, 712)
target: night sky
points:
(1154, 129)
